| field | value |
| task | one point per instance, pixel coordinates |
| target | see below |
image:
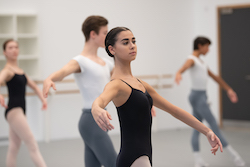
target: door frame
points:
(219, 8)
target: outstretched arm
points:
(185, 117)
(3, 77)
(36, 89)
(71, 67)
(100, 115)
(189, 63)
(230, 92)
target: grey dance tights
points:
(198, 100)
(99, 149)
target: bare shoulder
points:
(112, 90)
(147, 86)
(5, 70)
(114, 84)
(118, 86)
(143, 82)
(6, 74)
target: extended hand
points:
(45, 105)
(47, 84)
(214, 142)
(232, 96)
(102, 118)
(178, 78)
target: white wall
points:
(164, 30)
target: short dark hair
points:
(111, 38)
(6, 42)
(202, 41)
(93, 23)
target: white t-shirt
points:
(198, 73)
(92, 78)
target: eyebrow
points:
(126, 39)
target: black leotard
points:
(135, 125)
(16, 88)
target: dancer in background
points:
(19, 130)
(133, 99)
(91, 73)
(199, 73)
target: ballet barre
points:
(74, 91)
(159, 78)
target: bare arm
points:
(100, 115)
(71, 67)
(230, 92)
(175, 111)
(219, 80)
(184, 116)
(3, 76)
(36, 89)
(189, 63)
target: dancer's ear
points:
(111, 50)
(92, 34)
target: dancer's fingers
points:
(102, 125)
(45, 91)
(178, 79)
(217, 140)
(53, 85)
(111, 127)
(102, 118)
(45, 106)
(46, 86)
(214, 149)
(220, 144)
(232, 96)
(105, 120)
(235, 99)
(214, 142)
(109, 116)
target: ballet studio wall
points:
(164, 31)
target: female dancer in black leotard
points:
(133, 99)
(19, 129)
